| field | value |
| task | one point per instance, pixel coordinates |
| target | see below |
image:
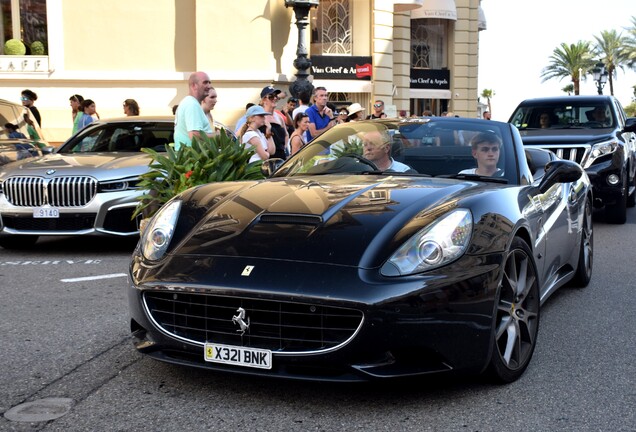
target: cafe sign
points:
(342, 67)
(24, 64)
(435, 79)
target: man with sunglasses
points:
(485, 150)
(274, 124)
(378, 110)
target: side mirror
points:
(47, 150)
(630, 125)
(270, 166)
(560, 171)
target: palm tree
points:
(573, 61)
(569, 89)
(630, 44)
(610, 47)
(488, 94)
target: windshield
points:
(430, 147)
(120, 137)
(563, 115)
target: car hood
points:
(99, 165)
(345, 220)
(564, 136)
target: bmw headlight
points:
(436, 245)
(157, 235)
(601, 149)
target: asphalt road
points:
(67, 338)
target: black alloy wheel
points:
(617, 213)
(517, 315)
(631, 199)
(583, 272)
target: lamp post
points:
(599, 73)
(302, 63)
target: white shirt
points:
(248, 135)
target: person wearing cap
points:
(250, 133)
(275, 123)
(190, 120)
(378, 110)
(355, 112)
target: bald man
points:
(190, 119)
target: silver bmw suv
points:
(87, 187)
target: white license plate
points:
(239, 356)
(46, 212)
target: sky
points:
(521, 36)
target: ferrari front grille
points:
(76, 191)
(283, 327)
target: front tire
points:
(617, 213)
(516, 324)
(583, 272)
(631, 199)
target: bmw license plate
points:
(46, 212)
(238, 356)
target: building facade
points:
(412, 54)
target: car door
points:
(561, 206)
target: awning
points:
(481, 23)
(429, 94)
(407, 5)
(441, 9)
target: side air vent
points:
(290, 219)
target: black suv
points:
(593, 131)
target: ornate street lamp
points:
(302, 62)
(599, 73)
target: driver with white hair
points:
(377, 149)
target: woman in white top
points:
(250, 135)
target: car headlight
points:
(601, 149)
(157, 235)
(118, 185)
(436, 245)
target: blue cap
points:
(256, 110)
(269, 90)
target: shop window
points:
(331, 32)
(428, 43)
(24, 20)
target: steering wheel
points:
(362, 159)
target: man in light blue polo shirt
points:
(190, 118)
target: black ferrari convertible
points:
(383, 248)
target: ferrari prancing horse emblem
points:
(239, 319)
(247, 270)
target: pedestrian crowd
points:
(273, 132)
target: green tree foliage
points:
(572, 61)
(630, 44)
(488, 94)
(610, 48)
(569, 89)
